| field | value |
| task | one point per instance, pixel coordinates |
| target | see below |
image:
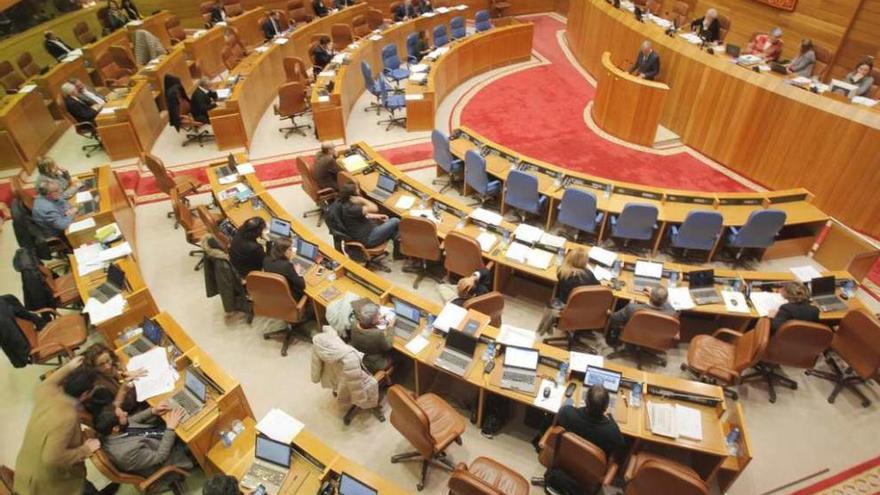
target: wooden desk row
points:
(709, 457)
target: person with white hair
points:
(767, 46)
(81, 109)
(51, 212)
(203, 100)
(647, 64)
(707, 27)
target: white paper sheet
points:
(100, 312)
(552, 402)
(487, 240)
(578, 361)
(375, 37)
(735, 302)
(450, 317)
(805, 273)
(517, 252)
(418, 77)
(418, 68)
(228, 179)
(602, 256)
(118, 251)
(661, 419)
(689, 422)
(540, 259)
(160, 377)
(486, 216)
(88, 258)
(520, 337)
(261, 49)
(414, 97)
(861, 100)
(527, 233)
(765, 302)
(107, 110)
(405, 202)
(224, 93)
(324, 99)
(601, 273)
(280, 426)
(327, 73)
(354, 163)
(416, 345)
(680, 298)
(551, 240)
(244, 168)
(81, 225)
(280, 40)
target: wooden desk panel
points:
(154, 24)
(29, 129)
(133, 126)
(206, 50)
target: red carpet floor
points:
(861, 479)
(539, 112)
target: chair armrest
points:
(611, 472)
(490, 265)
(723, 373)
(145, 485)
(301, 304)
(51, 311)
(52, 347)
(727, 331)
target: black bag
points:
(561, 483)
(496, 413)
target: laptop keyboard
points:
(187, 403)
(141, 345)
(512, 376)
(267, 475)
(454, 359)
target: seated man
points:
(56, 46)
(90, 95)
(322, 54)
(767, 46)
(52, 213)
(139, 444)
(326, 169)
(218, 12)
(358, 215)
(592, 423)
(272, 25)
(79, 107)
(657, 299)
(320, 9)
(203, 100)
(405, 11)
(473, 285)
(372, 334)
(647, 64)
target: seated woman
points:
(803, 64)
(767, 46)
(278, 261)
(113, 379)
(422, 46)
(246, 253)
(359, 214)
(707, 27)
(571, 274)
(860, 77)
(798, 306)
(50, 170)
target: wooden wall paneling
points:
(32, 39)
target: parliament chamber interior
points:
(476, 247)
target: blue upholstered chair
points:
(440, 36)
(637, 222)
(699, 231)
(481, 21)
(476, 178)
(412, 41)
(457, 28)
(443, 157)
(391, 102)
(391, 64)
(371, 85)
(759, 231)
(577, 210)
(521, 193)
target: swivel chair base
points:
(201, 254)
(640, 354)
(320, 211)
(772, 377)
(733, 394)
(423, 270)
(197, 136)
(572, 340)
(446, 182)
(288, 334)
(353, 410)
(89, 149)
(295, 128)
(841, 379)
(439, 460)
(393, 121)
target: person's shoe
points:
(110, 489)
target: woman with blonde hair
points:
(571, 274)
(797, 307)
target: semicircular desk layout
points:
(509, 42)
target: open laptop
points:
(150, 337)
(87, 207)
(408, 319)
(385, 187)
(114, 284)
(647, 274)
(520, 369)
(609, 379)
(732, 50)
(193, 396)
(351, 486)
(278, 228)
(306, 254)
(779, 68)
(701, 285)
(270, 467)
(458, 353)
(823, 294)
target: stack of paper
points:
(540, 259)
(486, 216)
(554, 400)
(418, 68)
(675, 420)
(487, 241)
(261, 49)
(244, 168)
(861, 100)
(88, 258)
(461, 7)
(550, 240)
(691, 38)
(118, 251)
(665, 24)
(228, 179)
(527, 233)
(280, 40)
(416, 345)
(160, 376)
(414, 97)
(418, 77)
(765, 302)
(354, 163)
(578, 361)
(801, 81)
(428, 14)
(805, 273)
(81, 225)
(450, 317)
(515, 336)
(442, 10)
(601, 273)
(83, 196)
(100, 312)
(518, 252)
(234, 191)
(405, 202)
(680, 298)
(602, 256)
(279, 426)
(328, 74)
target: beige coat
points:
(51, 457)
(337, 366)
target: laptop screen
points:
(387, 183)
(649, 269)
(351, 486)
(152, 331)
(521, 357)
(271, 451)
(195, 385)
(116, 276)
(404, 310)
(306, 249)
(701, 278)
(461, 342)
(605, 377)
(822, 286)
(279, 227)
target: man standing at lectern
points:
(647, 64)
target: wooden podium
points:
(627, 106)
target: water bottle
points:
(849, 288)
(489, 353)
(505, 237)
(560, 254)
(733, 441)
(673, 279)
(562, 374)
(426, 332)
(737, 285)
(608, 191)
(616, 268)
(636, 395)
(460, 224)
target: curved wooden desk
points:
(465, 59)
(27, 129)
(130, 124)
(756, 124)
(627, 106)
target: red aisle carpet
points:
(540, 112)
(862, 479)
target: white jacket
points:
(338, 367)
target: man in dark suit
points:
(272, 25)
(218, 12)
(319, 8)
(592, 423)
(322, 54)
(647, 64)
(78, 107)
(56, 46)
(203, 100)
(405, 11)
(325, 169)
(341, 4)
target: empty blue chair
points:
(391, 102)
(481, 21)
(699, 231)
(476, 178)
(759, 231)
(457, 27)
(449, 164)
(578, 210)
(412, 41)
(637, 222)
(371, 85)
(440, 36)
(391, 63)
(522, 194)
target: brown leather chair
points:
(648, 333)
(83, 33)
(295, 70)
(192, 226)
(375, 20)
(857, 343)
(650, 474)
(680, 12)
(111, 72)
(490, 304)
(359, 26)
(175, 30)
(419, 241)
(342, 36)
(9, 78)
(210, 222)
(7, 480)
(233, 8)
(823, 62)
(587, 308)
(580, 459)
(184, 185)
(297, 11)
(144, 485)
(62, 287)
(321, 197)
(797, 344)
(486, 476)
(292, 103)
(17, 188)
(714, 360)
(60, 337)
(84, 129)
(463, 255)
(272, 298)
(27, 66)
(723, 27)
(498, 8)
(430, 425)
